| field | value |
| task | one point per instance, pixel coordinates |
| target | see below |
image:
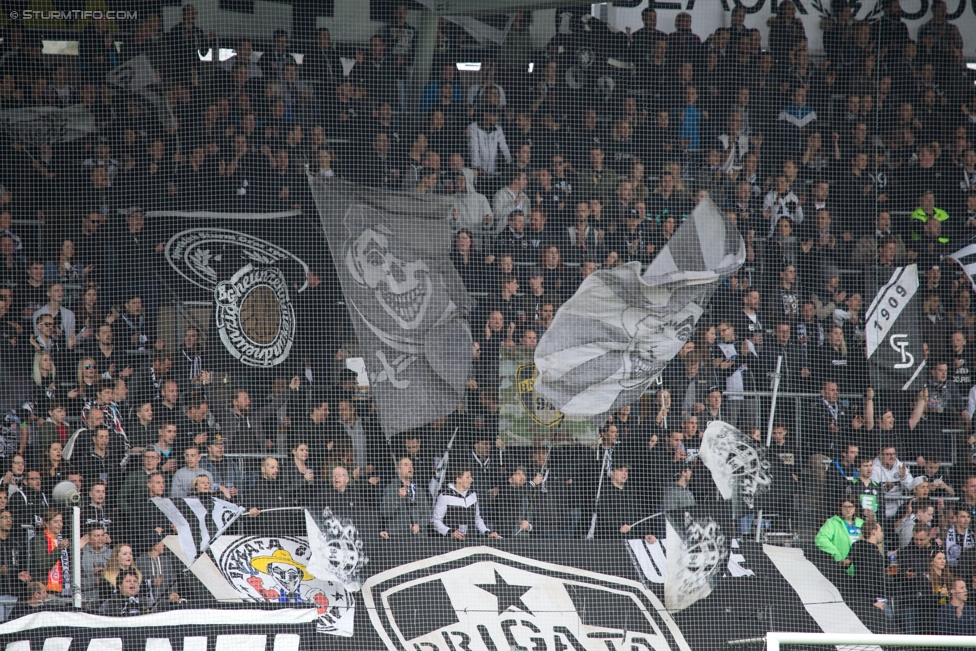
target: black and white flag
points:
(735, 461)
(894, 334)
(198, 523)
(138, 78)
(966, 257)
(47, 125)
(405, 298)
(696, 551)
(254, 268)
(621, 328)
(336, 549)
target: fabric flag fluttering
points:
(735, 460)
(621, 328)
(893, 332)
(405, 298)
(696, 551)
(336, 550)
(197, 523)
(47, 125)
(138, 77)
(966, 257)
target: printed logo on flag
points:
(485, 598)
(535, 404)
(192, 253)
(253, 309)
(274, 570)
(255, 316)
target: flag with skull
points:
(405, 298)
(621, 328)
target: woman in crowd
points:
(120, 562)
(89, 315)
(298, 476)
(87, 377)
(49, 552)
(938, 579)
(833, 362)
(54, 469)
(469, 264)
(44, 380)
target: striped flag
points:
(198, 523)
(966, 257)
(893, 332)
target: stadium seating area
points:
(836, 169)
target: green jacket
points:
(834, 539)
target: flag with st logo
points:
(893, 333)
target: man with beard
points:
(240, 428)
(405, 506)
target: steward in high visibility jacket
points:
(926, 211)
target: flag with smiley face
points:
(405, 298)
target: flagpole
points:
(596, 502)
(444, 459)
(772, 406)
(642, 520)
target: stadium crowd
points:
(862, 160)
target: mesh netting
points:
(565, 329)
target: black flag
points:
(894, 333)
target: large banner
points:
(620, 329)
(708, 16)
(253, 268)
(440, 595)
(405, 298)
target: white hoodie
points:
(471, 207)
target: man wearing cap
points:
(225, 472)
(619, 507)
(485, 469)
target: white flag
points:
(337, 552)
